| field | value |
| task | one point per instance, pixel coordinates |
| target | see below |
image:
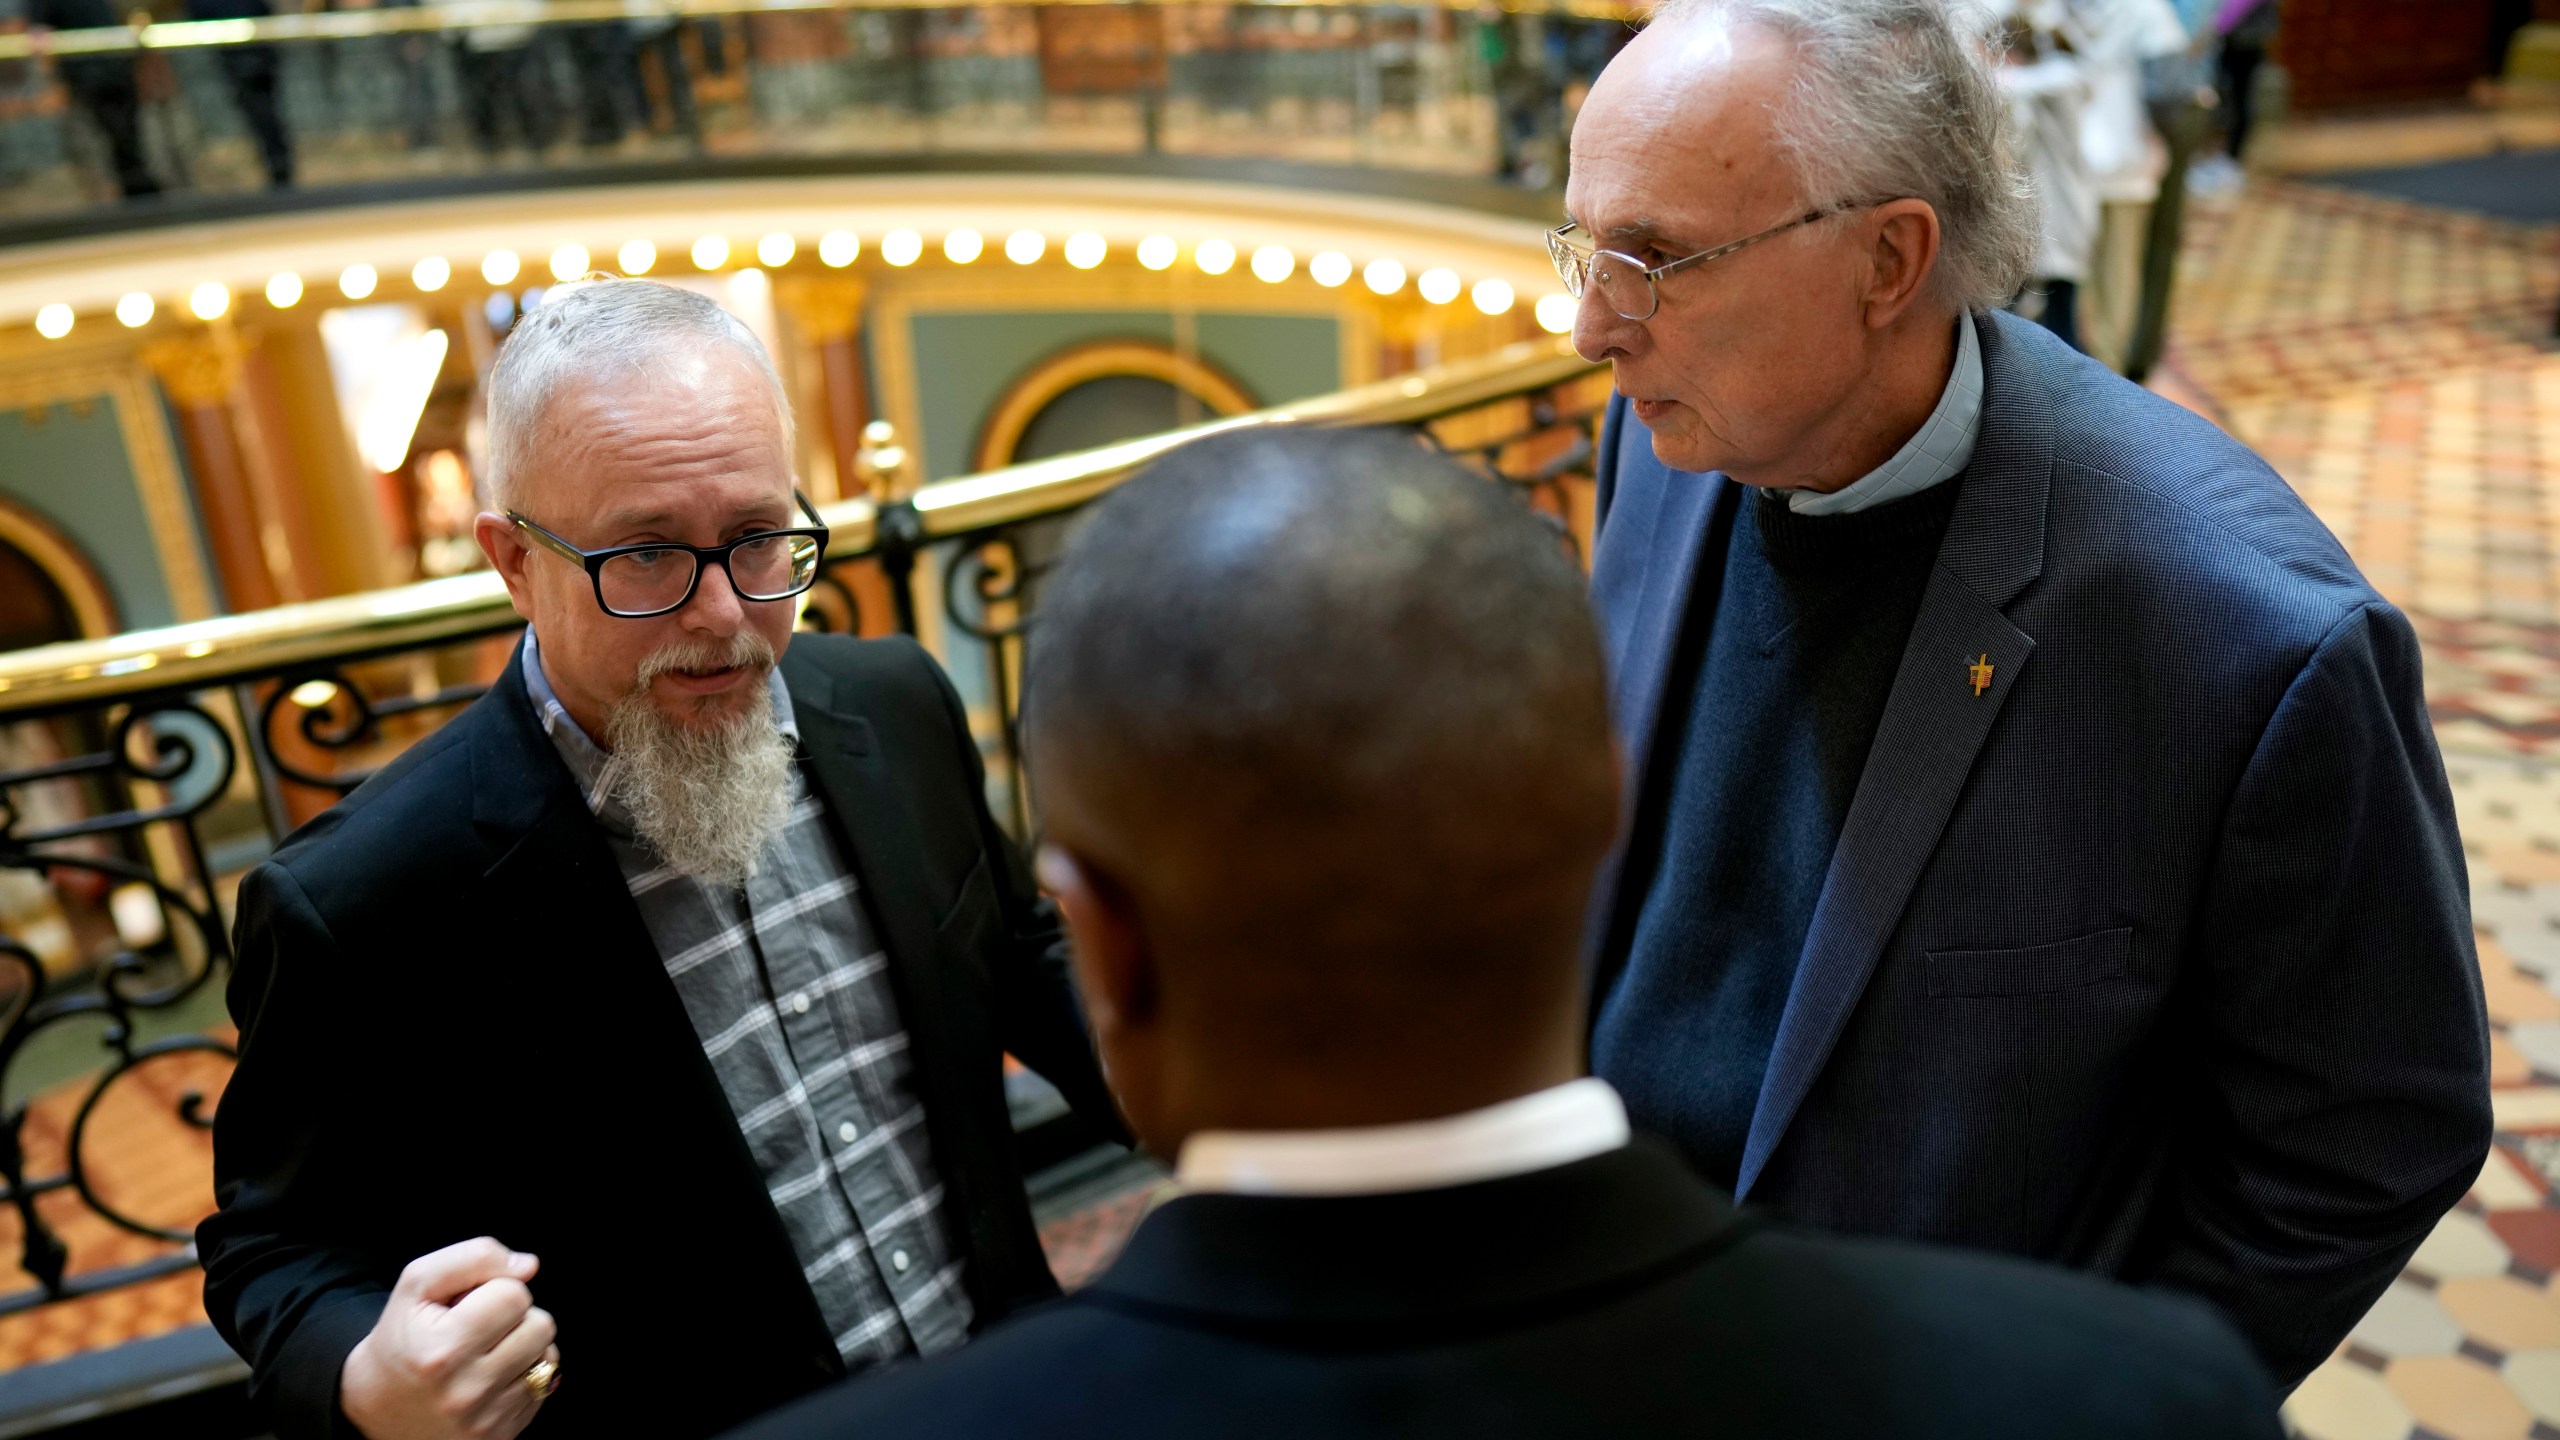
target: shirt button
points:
(800, 1004)
(848, 1132)
(898, 1261)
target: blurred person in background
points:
(102, 87)
(640, 1032)
(2038, 839)
(1319, 726)
(252, 71)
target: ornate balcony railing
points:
(139, 775)
(115, 124)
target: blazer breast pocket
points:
(2090, 959)
(970, 926)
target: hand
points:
(447, 1358)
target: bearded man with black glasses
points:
(643, 1028)
(2037, 839)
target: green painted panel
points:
(966, 362)
(68, 464)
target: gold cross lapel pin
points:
(1980, 671)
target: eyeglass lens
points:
(1621, 282)
(771, 567)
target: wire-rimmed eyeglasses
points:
(658, 577)
(1624, 282)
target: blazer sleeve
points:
(288, 1294)
(2346, 1092)
(1039, 1021)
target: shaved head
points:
(1328, 713)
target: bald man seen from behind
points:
(1320, 740)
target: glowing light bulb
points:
(710, 252)
(776, 249)
(357, 281)
(569, 262)
(54, 321)
(962, 246)
(500, 267)
(1493, 297)
(1383, 276)
(901, 247)
(210, 300)
(1273, 264)
(284, 290)
(431, 273)
(1439, 285)
(1214, 257)
(1158, 252)
(837, 248)
(636, 257)
(1086, 249)
(1329, 269)
(134, 310)
(1555, 313)
(1023, 247)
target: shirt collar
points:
(579, 751)
(1937, 453)
(1558, 1126)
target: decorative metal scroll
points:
(335, 716)
(164, 765)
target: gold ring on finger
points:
(543, 1378)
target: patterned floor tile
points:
(2347, 1402)
(2407, 1320)
(2461, 1245)
(2459, 1398)
(2501, 1312)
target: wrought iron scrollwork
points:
(337, 716)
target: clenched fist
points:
(448, 1357)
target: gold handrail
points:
(261, 643)
(473, 14)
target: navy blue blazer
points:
(2153, 957)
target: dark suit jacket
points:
(1616, 1297)
(2154, 958)
(453, 1023)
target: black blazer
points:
(1616, 1297)
(454, 1023)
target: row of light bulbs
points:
(837, 249)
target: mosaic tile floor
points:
(2395, 364)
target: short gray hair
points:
(1897, 98)
(602, 325)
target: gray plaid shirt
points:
(789, 992)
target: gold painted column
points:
(201, 376)
(828, 313)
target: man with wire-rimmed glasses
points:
(2037, 840)
(639, 1034)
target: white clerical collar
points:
(1937, 453)
(1572, 1121)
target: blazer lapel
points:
(1643, 566)
(1939, 713)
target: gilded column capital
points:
(824, 308)
(196, 370)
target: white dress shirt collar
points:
(1937, 452)
(1572, 1121)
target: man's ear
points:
(1115, 971)
(1905, 256)
(505, 547)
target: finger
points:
(440, 1275)
(499, 1377)
(481, 1319)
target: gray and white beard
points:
(708, 799)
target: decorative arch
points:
(1023, 401)
(65, 564)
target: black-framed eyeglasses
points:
(660, 576)
(1624, 282)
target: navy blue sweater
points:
(1774, 709)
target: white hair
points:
(600, 326)
(1896, 98)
